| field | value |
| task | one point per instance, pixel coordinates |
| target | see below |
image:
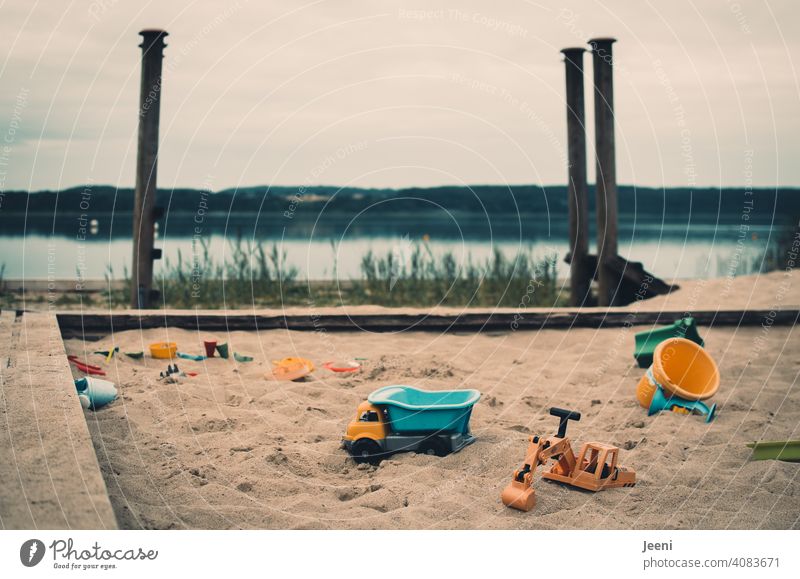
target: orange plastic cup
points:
(163, 350)
(683, 369)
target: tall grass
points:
(421, 279)
(247, 274)
(782, 253)
(250, 274)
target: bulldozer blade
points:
(518, 496)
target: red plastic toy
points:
(342, 366)
(86, 368)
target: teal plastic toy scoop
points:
(661, 402)
(195, 357)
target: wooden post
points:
(606, 174)
(580, 273)
(146, 169)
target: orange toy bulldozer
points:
(595, 468)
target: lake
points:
(687, 250)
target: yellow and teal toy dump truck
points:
(402, 418)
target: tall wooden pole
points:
(606, 174)
(146, 169)
(580, 273)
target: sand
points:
(231, 449)
(774, 290)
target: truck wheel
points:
(433, 447)
(366, 450)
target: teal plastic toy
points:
(647, 341)
(194, 357)
(413, 410)
(94, 392)
(661, 402)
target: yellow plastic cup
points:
(683, 369)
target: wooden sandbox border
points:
(50, 477)
(94, 325)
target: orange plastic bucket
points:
(163, 350)
(683, 369)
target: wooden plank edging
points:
(76, 324)
(49, 474)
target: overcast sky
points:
(396, 93)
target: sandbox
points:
(232, 449)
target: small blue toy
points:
(194, 357)
(662, 401)
(94, 392)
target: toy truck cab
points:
(366, 433)
(598, 460)
(596, 468)
(401, 418)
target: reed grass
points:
(425, 280)
(248, 275)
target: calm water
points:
(687, 251)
